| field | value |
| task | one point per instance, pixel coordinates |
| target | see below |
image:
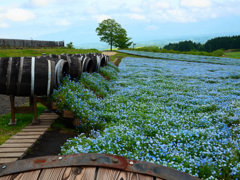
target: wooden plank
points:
(48, 117)
(7, 160)
(10, 155)
(47, 120)
(31, 175)
(29, 133)
(89, 173)
(68, 114)
(37, 127)
(49, 113)
(16, 145)
(52, 115)
(52, 174)
(80, 173)
(127, 176)
(145, 177)
(10, 141)
(46, 123)
(159, 179)
(26, 137)
(5, 150)
(53, 105)
(34, 130)
(6, 177)
(107, 174)
(24, 109)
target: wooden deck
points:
(16, 146)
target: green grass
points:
(120, 55)
(235, 55)
(217, 53)
(7, 131)
(38, 52)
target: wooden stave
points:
(17, 78)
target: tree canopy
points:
(112, 33)
(210, 46)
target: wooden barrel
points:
(89, 166)
(94, 59)
(75, 67)
(99, 59)
(61, 69)
(103, 61)
(87, 64)
(9, 69)
(26, 76)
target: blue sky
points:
(145, 20)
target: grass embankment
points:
(38, 52)
(120, 56)
(7, 131)
(218, 53)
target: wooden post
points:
(13, 121)
(34, 102)
(30, 101)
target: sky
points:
(144, 20)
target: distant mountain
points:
(163, 42)
(155, 42)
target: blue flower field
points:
(183, 115)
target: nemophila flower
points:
(178, 114)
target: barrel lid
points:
(93, 160)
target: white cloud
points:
(3, 25)
(101, 18)
(195, 3)
(136, 10)
(174, 15)
(63, 22)
(42, 2)
(151, 27)
(19, 15)
(136, 16)
(160, 5)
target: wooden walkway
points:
(16, 146)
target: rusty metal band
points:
(49, 78)
(9, 72)
(32, 75)
(94, 160)
(20, 75)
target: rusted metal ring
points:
(94, 160)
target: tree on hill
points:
(184, 46)
(112, 33)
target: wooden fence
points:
(20, 43)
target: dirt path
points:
(109, 53)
